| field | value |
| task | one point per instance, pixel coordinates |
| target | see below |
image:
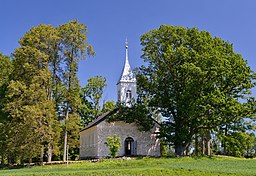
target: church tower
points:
(126, 86)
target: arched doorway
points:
(129, 146)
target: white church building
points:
(134, 142)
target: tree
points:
(45, 39)
(73, 48)
(138, 113)
(87, 111)
(94, 91)
(194, 80)
(238, 143)
(32, 114)
(5, 72)
(44, 89)
(64, 46)
(114, 144)
(108, 106)
(91, 96)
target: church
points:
(133, 141)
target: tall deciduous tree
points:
(73, 48)
(194, 80)
(5, 72)
(32, 113)
(45, 39)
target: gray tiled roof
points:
(100, 119)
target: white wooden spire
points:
(127, 74)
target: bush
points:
(114, 144)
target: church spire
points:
(126, 50)
(127, 74)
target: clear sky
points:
(109, 22)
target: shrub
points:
(114, 144)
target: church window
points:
(128, 94)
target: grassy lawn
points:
(147, 166)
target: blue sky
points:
(110, 22)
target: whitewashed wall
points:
(147, 143)
(89, 143)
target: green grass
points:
(146, 166)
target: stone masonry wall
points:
(147, 143)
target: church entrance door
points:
(129, 146)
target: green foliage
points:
(73, 48)
(114, 144)
(91, 96)
(163, 149)
(108, 106)
(5, 72)
(194, 80)
(32, 122)
(5, 69)
(86, 112)
(94, 91)
(138, 113)
(238, 144)
(44, 90)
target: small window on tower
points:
(129, 94)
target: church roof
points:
(100, 119)
(127, 74)
(105, 116)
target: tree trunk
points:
(42, 155)
(180, 149)
(49, 153)
(203, 144)
(29, 161)
(187, 151)
(196, 144)
(9, 158)
(2, 159)
(65, 139)
(224, 142)
(22, 161)
(208, 137)
(65, 145)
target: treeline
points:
(42, 106)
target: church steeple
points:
(127, 74)
(127, 83)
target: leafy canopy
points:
(195, 80)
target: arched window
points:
(128, 94)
